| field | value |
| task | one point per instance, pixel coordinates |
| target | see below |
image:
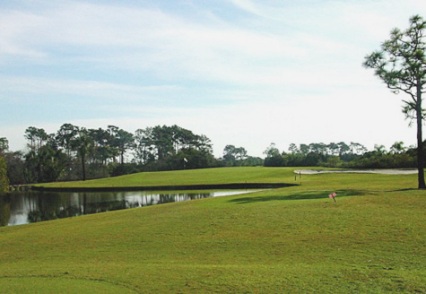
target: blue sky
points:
(241, 72)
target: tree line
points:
(79, 153)
(74, 153)
(353, 155)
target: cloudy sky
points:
(241, 72)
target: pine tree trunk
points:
(420, 156)
(83, 166)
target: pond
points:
(19, 208)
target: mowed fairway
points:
(285, 240)
(187, 177)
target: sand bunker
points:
(365, 171)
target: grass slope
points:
(187, 177)
(285, 240)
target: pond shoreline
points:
(230, 186)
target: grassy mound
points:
(373, 239)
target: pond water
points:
(19, 208)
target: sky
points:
(246, 73)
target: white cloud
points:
(276, 75)
(105, 90)
(248, 6)
(13, 34)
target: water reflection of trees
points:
(36, 206)
(57, 205)
(166, 198)
(104, 206)
(45, 206)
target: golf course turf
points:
(283, 240)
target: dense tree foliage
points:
(4, 184)
(353, 155)
(5, 201)
(164, 147)
(401, 65)
(4, 180)
(273, 156)
(75, 152)
(238, 156)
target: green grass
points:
(373, 240)
(188, 177)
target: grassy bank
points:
(187, 177)
(292, 239)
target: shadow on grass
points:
(298, 196)
(404, 190)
